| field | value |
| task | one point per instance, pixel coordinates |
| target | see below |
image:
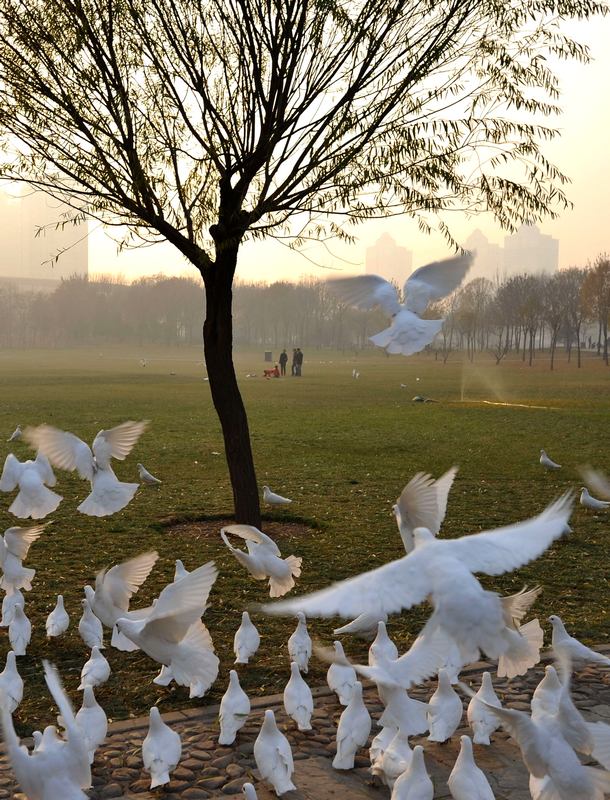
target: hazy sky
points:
(582, 152)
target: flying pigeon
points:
(444, 710)
(234, 710)
(467, 781)
(14, 548)
(15, 435)
(588, 501)
(273, 756)
(480, 719)
(90, 628)
(548, 462)
(299, 644)
(172, 632)
(95, 671)
(298, 700)
(66, 451)
(442, 570)
(364, 626)
(274, 499)
(414, 783)
(58, 620)
(408, 332)
(113, 591)
(352, 731)
(263, 559)
(161, 750)
(19, 631)
(565, 645)
(422, 504)
(32, 477)
(146, 477)
(11, 683)
(246, 640)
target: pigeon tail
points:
(35, 504)
(600, 778)
(600, 733)
(344, 760)
(194, 664)
(523, 652)
(159, 779)
(408, 338)
(280, 586)
(121, 642)
(24, 581)
(108, 499)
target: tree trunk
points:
(218, 348)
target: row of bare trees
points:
(524, 313)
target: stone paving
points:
(208, 770)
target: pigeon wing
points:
(123, 580)
(10, 473)
(366, 292)
(181, 604)
(597, 481)
(434, 281)
(18, 540)
(63, 449)
(516, 606)
(390, 588)
(250, 533)
(505, 549)
(44, 469)
(423, 501)
(117, 442)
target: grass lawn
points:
(341, 448)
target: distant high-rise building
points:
(32, 237)
(528, 250)
(489, 258)
(388, 259)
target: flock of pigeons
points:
(466, 621)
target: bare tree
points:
(206, 122)
(572, 283)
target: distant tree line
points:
(525, 314)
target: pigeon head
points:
(89, 594)
(11, 660)
(422, 536)
(88, 697)
(155, 720)
(140, 466)
(466, 743)
(301, 617)
(269, 724)
(553, 619)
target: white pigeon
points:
(553, 765)
(480, 719)
(299, 644)
(92, 721)
(588, 501)
(180, 571)
(565, 645)
(467, 781)
(341, 677)
(352, 731)
(146, 477)
(414, 783)
(9, 601)
(382, 648)
(19, 631)
(441, 570)
(14, 548)
(408, 332)
(444, 710)
(395, 759)
(273, 499)
(90, 628)
(249, 792)
(422, 504)
(58, 620)
(364, 626)
(246, 640)
(34, 499)
(548, 462)
(11, 683)
(234, 710)
(15, 435)
(263, 559)
(113, 591)
(66, 451)
(298, 700)
(273, 756)
(380, 744)
(173, 634)
(95, 671)
(57, 768)
(161, 750)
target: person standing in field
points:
(299, 361)
(283, 361)
(294, 361)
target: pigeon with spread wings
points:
(14, 548)
(422, 504)
(408, 332)
(443, 570)
(66, 451)
(34, 500)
